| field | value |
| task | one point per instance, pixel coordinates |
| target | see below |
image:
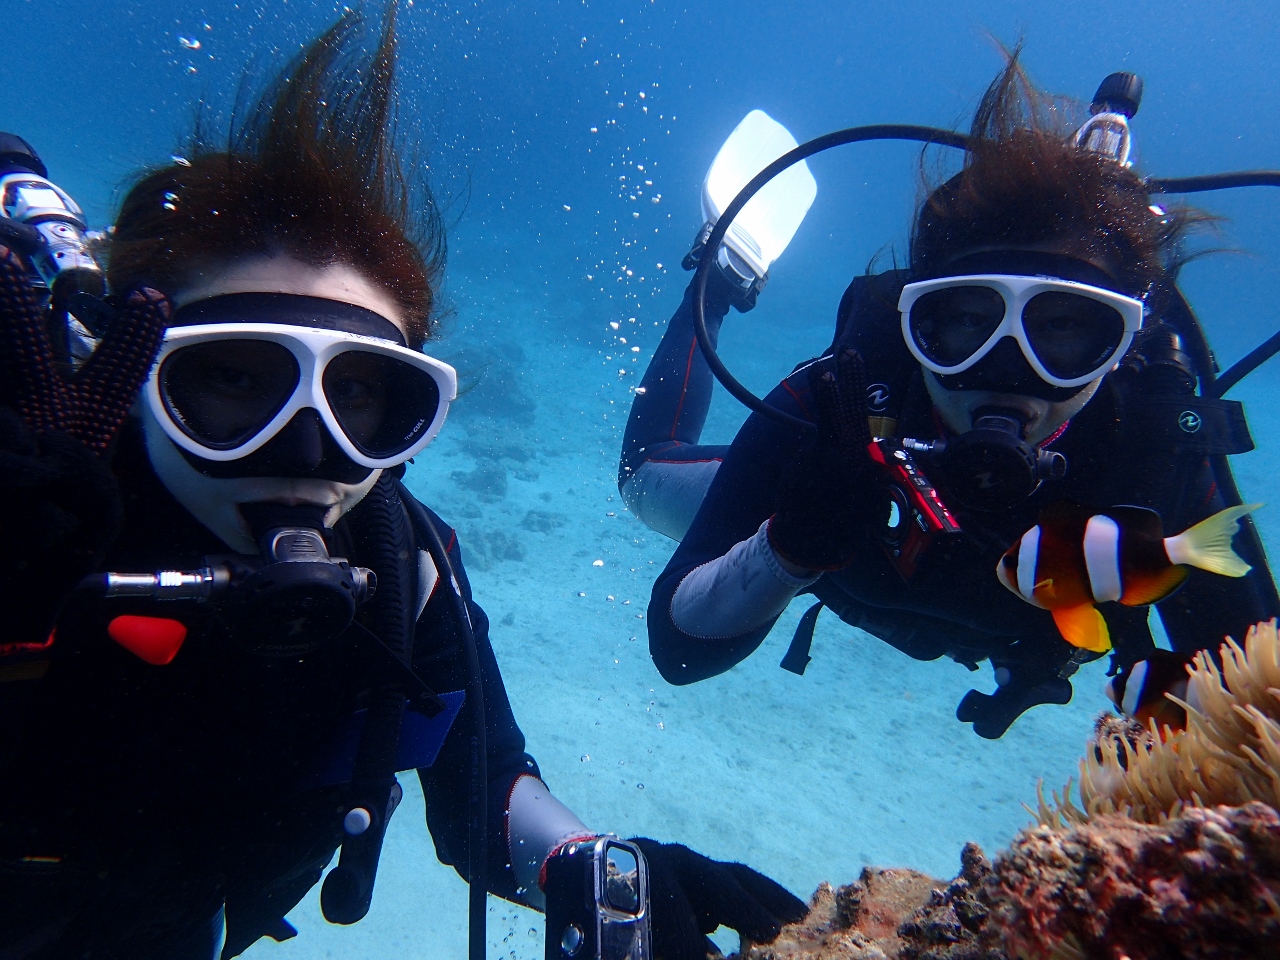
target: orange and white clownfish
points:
(1138, 691)
(1075, 558)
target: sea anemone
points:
(1228, 755)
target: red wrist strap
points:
(542, 871)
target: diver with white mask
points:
(229, 624)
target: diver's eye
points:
(230, 379)
(354, 394)
(970, 320)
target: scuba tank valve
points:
(63, 260)
(1106, 132)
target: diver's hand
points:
(62, 511)
(691, 895)
(62, 505)
(823, 503)
(92, 405)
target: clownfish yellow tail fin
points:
(1207, 545)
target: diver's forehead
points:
(280, 273)
(1061, 260)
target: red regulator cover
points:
(156, 640)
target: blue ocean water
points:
(531, 115)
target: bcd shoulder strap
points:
(1201, 426)
(868, 321)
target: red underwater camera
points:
(913, 513)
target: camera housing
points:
(597, 893)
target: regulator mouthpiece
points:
(288, 602)
(992, 467)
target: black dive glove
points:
(61, 504)
(825, 498)
(691, 895)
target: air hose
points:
(384, 538)
(478, 768)
(876, 131)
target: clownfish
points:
(1075, 558)
(1138, 691)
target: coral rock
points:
(1203, 885)
(893, 915)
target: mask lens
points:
(950, 325)
(223, 392)
(384, 405)
(1073, 336)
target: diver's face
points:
(1041, 415)
(302, 464)
(227, 385)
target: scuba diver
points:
(227, 622)
(1031, 369)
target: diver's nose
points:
(300, 447)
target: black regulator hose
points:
(1245, 366)
(478, 768)
(875, 131)
(385, 538)
(1213, 181)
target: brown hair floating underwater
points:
(1074, 558)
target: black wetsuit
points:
(136, 800)
(954, 603)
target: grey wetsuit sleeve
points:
(537, 824)
(736, 593)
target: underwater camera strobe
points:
(598, 902)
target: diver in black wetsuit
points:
(174, 776)
(1094, 376)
